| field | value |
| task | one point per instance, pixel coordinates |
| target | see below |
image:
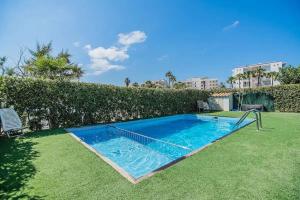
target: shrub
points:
(65, 104)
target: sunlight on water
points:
(138, 155)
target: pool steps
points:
(257, 118)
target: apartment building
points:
(202, 83)
(268, 67)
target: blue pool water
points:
(143, 146)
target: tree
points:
(65, 55)
(78, 73)
(41, 50)
(259, 73)
(248, 75)
(127, 81)
(273, 76)
(180, 85)
(289, 75)
(2, 62)
(20, 64)
(222, 85)
(231, 80)
(239, 77)
(43, 64)
(171, 78)
(148, 84)
(9, 71)
(135, 84)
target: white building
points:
(268, 67)
(202, 83)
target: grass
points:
(246, 165)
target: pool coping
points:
(133, 180)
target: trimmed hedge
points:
(66, 104)
(286, 97)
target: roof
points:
(221, 94)
(259, 64)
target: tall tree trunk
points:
(249, 82)
(272, 80)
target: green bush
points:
(66, 104)
(286, 97)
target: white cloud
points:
(76, 44)
(106, 59)
(111, 53)
(232, 26)
(132, 38)
(88, 47)
(100, 66)
(103, 59)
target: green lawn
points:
(246, 165)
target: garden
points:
(47, 163)
(248, 164)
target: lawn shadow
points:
(45, 133)
(16, 167)
(267, 130)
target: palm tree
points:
(41, 50)
(239, 77)
(259, 73)
(273, 76)
(2, 62)
(248, 75)
(171, 78)
(127, 81)
(78, 72)
(65, 55)
(10, 71)
(43, 64)
(231, 80)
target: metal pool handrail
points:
(257, 118)
(151, 138)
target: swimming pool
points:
(139, 148)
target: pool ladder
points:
(257, 118)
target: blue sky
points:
(144, 39)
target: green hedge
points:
(66, 104)
(257, 97)
(286, 97)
